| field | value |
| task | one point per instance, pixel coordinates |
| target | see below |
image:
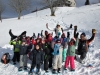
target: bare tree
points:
(52, 5)
(2, 8)
(20, 5)
(87, 2)
(99, 1)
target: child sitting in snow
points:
(71, 53)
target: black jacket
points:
(47, 49)
(38, 56)
(23, 50)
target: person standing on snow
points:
(83, 44)
(46, 46)
(71, 53)
(16, 43)
(58, 29)
(57, 56)
(38, 58)
(64, 42)
(23, 55)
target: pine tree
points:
(87, 2)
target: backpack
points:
(56, 49)
(82, 46)
(5, 58)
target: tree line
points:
(20, 5)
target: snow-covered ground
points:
(85, 17)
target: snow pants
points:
(35, 65)
(23, 60)
(16, 57)
(70, 59)
(64, 54)
(57, 61)
(82, 54)
(47, 62)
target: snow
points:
(85, 17)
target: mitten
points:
(68, 34)
(75, 28)
(93, 31)
(42, 33)
(34, 36)
(71, 25)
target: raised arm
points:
(92, 37)
(49, 28)
(68, 28)
(76, 42)
(68, 37)
(75, 29)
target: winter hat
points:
(58, 40)
(57, 25)
(83, 34)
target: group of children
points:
(48, 50)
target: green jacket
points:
(71, 49)
(16, 46)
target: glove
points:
(93, 31)
(75, 28)
(77, 35)
(34, 35)
(68, 34)
(41, 32)
(71, 25)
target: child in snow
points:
(23, 56)
(64, 44)
(57, 56)
(46, 46)
(58, 29)
(83, 44)
(16, 43)
(38, 57)
(71, 53)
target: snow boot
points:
(25, 67)
(54, 71)
(20, 69)
(59, 70)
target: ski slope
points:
(85, 17)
